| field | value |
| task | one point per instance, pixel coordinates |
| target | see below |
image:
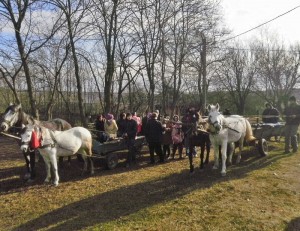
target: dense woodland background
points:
(75, 58)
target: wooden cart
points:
(108, 150)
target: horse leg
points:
(230, 150)
(27, 161)
(190, 153)
(90, 153)
(85, 163)
(216, 152)
(53, 161)
(224, 157)
(202, 147)
(32, 164)
(238, 159)
(92, 165)
(207, 144)
(48, 168)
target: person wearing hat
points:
(110, 126)
(153, 132)
(270, 114)
(292, 117)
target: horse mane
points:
(24, 118)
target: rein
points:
(224, 126)
(12, 136)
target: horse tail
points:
(249, 133)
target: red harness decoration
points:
(35, 142)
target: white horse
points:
(227, 130)
(53, 144)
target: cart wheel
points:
(263, 147)
(111, 160)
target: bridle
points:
(216, 125)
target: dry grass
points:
(257, 194)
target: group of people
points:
(127, 126)
(164, 136)
(291, 116)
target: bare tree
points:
(108, 18)
(149, 18)
(236, 75)
(278, 71)
(28, 37)
(75, 13)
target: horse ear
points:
(217, 106)
(209, 107)
(23, 126)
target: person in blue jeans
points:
(292, 117)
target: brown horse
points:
(12, 120)
(195, 129)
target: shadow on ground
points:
(124, 201)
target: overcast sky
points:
(242, 15)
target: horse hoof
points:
(55, 184)
(27, 176)
(223, 173)
(215, 167)
(30, 180)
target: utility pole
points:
(203, 68)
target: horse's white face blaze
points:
(26, 138)
(10, 117)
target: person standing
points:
(166, 137)
(121, 123)
(292, 117)
(138, 121)
(131, 129)
(153, 133)
(177, 137)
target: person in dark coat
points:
(270, 114)
(99, 126)
(292, 116)
(144, 122)
(130, 136)
(121, 123)
(153, 133)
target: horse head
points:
(10, 116)
(215, 118)
(30, 137)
